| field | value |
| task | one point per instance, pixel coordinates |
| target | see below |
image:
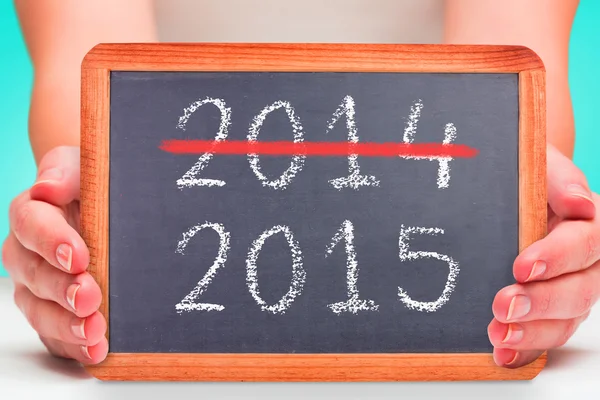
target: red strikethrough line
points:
(324, 149)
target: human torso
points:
(356, 21)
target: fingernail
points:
(519, 307)
(85, 352)
(539, 267)
(78, 329)
(505, 357)
(514, 334)
(50, 175)
(580, 191)
(64, 255)
(71, 293)
(514, 359)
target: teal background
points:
(17, 167)
(584, 78)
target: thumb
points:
(569, 195)
(58, 177)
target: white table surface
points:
(27, 371)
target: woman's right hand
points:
(47, 260)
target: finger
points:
(568, 192)
(52, 321)
(565, 297)
(570, 247)
(42, 228)
(84, 354)
(8, 257)
(553, 219)
(79, 293)
(58, 178)
(510, 358)
(533, 335)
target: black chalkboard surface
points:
(284, 211)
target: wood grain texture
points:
(95, 110)
(311, 57)
(533, 199)
(95, 161)
(532, 157)
(310, 367)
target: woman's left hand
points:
(558, 276)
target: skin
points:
(58, 33)
(558, 277)
(555, 301)
(542, 25)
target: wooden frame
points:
(104, 58)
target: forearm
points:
(542, 25)
(54, 114)
(58, 34)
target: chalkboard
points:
(310, 212)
